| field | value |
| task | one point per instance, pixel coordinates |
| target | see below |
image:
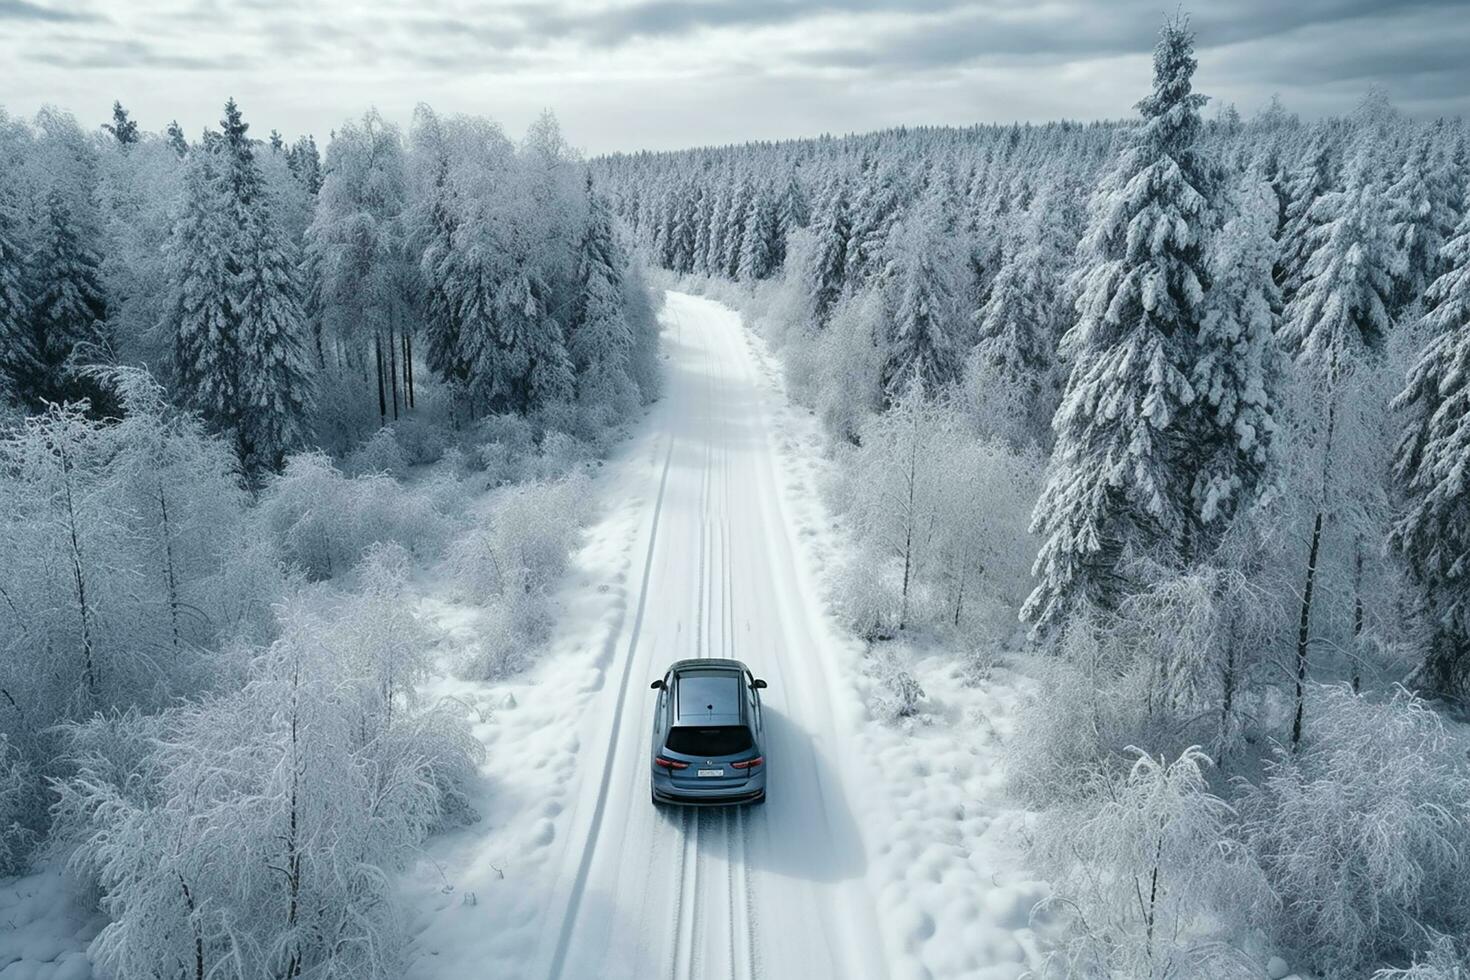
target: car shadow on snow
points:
(805, 830)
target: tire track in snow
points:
(579, 884)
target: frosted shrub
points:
(422, 441)
(379, 454)
(127, 559)
(1200, 635)
(848, 365)
(322, 521)
(1077, 727)
(898, 694)
(1365, 832)
(1442, 962)
(865, 602)
(22, 809)
(513, 555)
(259, 833)
(1145, 868)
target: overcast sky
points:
(630, 74)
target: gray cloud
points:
(24, 10)
(666, 72)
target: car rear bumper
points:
(734, 798)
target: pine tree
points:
(19, 366)
(123, 129)
(827, 274)
(1235, 375)
(921, 280)
(435, 228)
(176, 140)
(1118, 481)
(239, 331)
(733, 243)
(1433, 535)
(601, 341)
(757, 260)
(703, 220)
(1304, 185)
(1022, 319)
(205, 341)
(69, 309)
(306, 163)
(273, 375)
(532, 369)
(1419, 212)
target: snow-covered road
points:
(712, 541)
(773, 891)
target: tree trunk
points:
(393, 372)
(1357, 613)
(84, 611)
(170, 578)
(1304, 629)
(408, 366)
(382, 395)
(1304, 625)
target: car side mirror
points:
(657, 685)
(758, 684)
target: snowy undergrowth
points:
(955, 897)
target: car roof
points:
(707, 663)
(708, 693)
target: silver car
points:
(707, 735)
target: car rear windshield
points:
(710, 742)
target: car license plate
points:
(711, 772)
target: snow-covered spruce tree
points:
(1120, 480)
(198, 315)
(19, 366)
(1315, 176)
(1418, 210)
(306, 163)
(435, 222)
(275, 376)
(514, 350)
(758, 258)
(601, 341)
(792, 209)
(732, 243)
(122, 128)
(177, 141)
(878, 204)
(69, 310)
(1433, 534)
(1234, 378)
(264, 305)
(703, 218)
(921, 283)
(827, 271)
(1022, 319)
(1337, 320)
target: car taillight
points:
(663, 763)
(748, 763)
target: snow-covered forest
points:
(1188, 395)
(252, 395)
(1096, 497)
